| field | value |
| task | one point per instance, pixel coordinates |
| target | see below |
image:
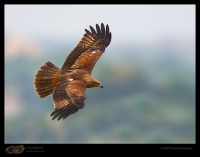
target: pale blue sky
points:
(131, 22)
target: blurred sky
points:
(131, 22)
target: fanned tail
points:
(46, 78)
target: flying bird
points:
(68, 84)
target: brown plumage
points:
(69, 83)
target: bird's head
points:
(94, 83)
(100, 85)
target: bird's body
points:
(69, 83)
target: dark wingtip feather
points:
(65, 111)
(93, 30)
(56, 113)
(103, 31)
(107, 29)
(108, 38)
(98, 30)
(88, 32)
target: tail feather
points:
(45, 79)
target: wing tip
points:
(64, 112)
(104, 33)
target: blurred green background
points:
(149, 82)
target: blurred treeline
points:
(148, 97)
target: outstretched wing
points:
(68, 99)
(89, 49)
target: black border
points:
(39, 149)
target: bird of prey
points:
(68, 84)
